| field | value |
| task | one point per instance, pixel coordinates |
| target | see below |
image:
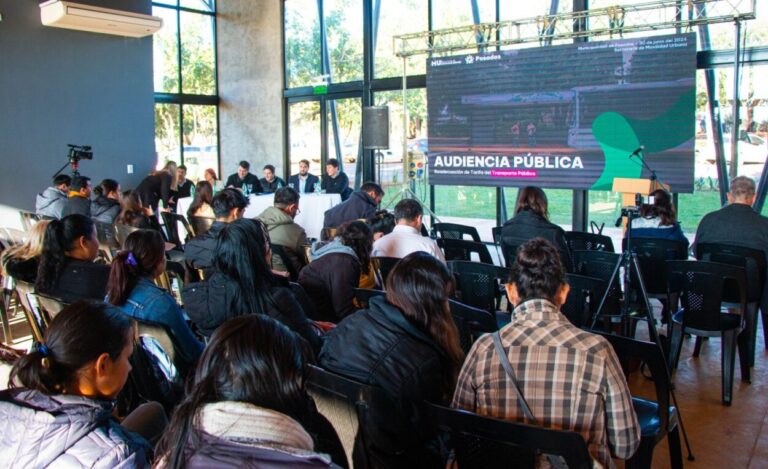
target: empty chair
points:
(701, 284)
(382, 267)
(201, 225)
(122, 232)
(170, 221)
(478, 284)
(364, 295)
(471, 323)
(584, 241)
(455, 231)
(462, 250)
(485, 442)
(600, 265)
(107, 236)
(583, 299)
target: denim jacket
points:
(150, 303)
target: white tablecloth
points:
(312, 209)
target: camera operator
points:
(51, 202)
(79, 200)
(658, 219)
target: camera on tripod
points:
(631, 211)
(79, 152)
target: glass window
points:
(754, 32)
(344, 27)
(198, 67)
(397, 17)
(200, 149)
(167, 133)
(302, 42)
(203, 5)
(166, 52)
(304, 136)
(348, 121)
(455, 13)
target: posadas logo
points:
(470, 59)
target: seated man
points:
(79, 200)
(570, 378)
(303, 181)
(244, 180)
(228, 205)
(271, 183)
(335, 181)
(406, 237)
(184, 185)
(50, 203)
(361, 204)
(283, 231)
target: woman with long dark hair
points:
(658, 220)
(66, 268)
(21, 261)
(62, 416)
(106, 207)
(201, 204)
(407, 344)
(131, 288)
(334, 273)
(243, 283)
(159, 186)
(247, 405)
(531, 220)
(135, 214)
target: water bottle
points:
(192, 191)
(246, 190)
(318, 190)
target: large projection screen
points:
(564, 116)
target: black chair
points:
(496, 233)
(170, 223)
(484, 442)
(584, 241)
(509, 252)
(364, 295)
(754, 263)
(455, 231)
(702, 284)
(304, 300)
(462, 250)
(657, 418)
(122, 232)
(279, 252)
(471, 323)
(478, 284)
(36, 318)
(600, 265)
(201, 225)
(382, 266)
(583, 299)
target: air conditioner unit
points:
(98, 20)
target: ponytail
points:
(144, 251)
(60, 237)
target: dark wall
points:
(60, 86)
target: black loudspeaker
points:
(375, 127)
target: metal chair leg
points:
(728, 363)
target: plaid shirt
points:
(570, 378)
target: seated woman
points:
(66, 269)
(243, 283)
(201, 204)
(247, 406)
(62, 416)
(407, 344)
(106, 207)
(210, 177)
(21, 261)
(131, 288)
(658, 220)
(334, 273)
(136, 215)
(531, 220)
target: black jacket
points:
(527, 225)
(309, 185)
(208, 306)
(77, 204)
(185, 189)
(359, 205)
(273, 186)
(198, 252)
(254, 185)
(105, 210)
(156, 188)
(330, 282)
(379, 346)
(337, 185)
(80, 280)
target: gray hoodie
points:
(321, 248)
(51, 202)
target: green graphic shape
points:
(618, 136)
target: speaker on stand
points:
(376, 133)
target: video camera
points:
(79, 152)
(632, 211)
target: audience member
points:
(382, 223)
(247, 405)
(131, 288)
(571, 378)
(243, 283)
(62, 416)
(66, 267)
(228, 206)
(159, 187)
(244, 180)
(183, 185)
(334, 273)
(136, 215)
(531, 220)
(21, 261)
(658, 220)
(271, 183)
(335, 181)
(201, 204)
(361, 204)
(213, 180)
(106, 207)
(303, 181)
(408, 345)
(406, 237)
(283, 231)
(50, 202)
(79, 199)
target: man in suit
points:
(303, 181)
(244, 180)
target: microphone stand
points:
(645, 165)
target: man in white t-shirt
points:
(406, 237)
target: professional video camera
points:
(632, 211)
(79, 152)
